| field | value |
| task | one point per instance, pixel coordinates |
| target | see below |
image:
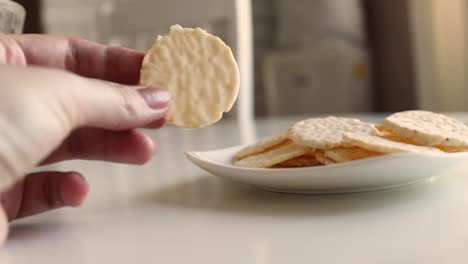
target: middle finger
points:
(132, 147)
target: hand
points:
(67, 98)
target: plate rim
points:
(199, 155)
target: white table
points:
(171, 212)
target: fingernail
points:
(155, 98)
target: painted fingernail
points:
(155, 98)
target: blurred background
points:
(319, 56)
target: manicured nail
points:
(155, 98)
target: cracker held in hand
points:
(198, 69)
(427, 128)
(327, 133)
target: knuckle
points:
(52, 198)
(65, 115)
(128, 97)
(10, 51)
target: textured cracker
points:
(395, 137)
(200, 72)
(428, 129)
(320, 156)
(383, 145)
(272, 156)
(349, 154)
(305, 160)
(260, 146)
(451, 149)
(326, 133)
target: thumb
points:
(39, 108)
(111, 106)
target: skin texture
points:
(57, 103)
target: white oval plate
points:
(370, 174)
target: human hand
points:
(55, 106)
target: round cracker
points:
(198, 69)
(384, 145)
(300, 161)
(260, 146)
(272, 156)
(428, 128)
(349, 154)
(395, 137)
(320, 156)
(306, 160)
(327, 133)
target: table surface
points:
(169, 211)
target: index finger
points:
(82, 57)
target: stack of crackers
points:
(331, 140)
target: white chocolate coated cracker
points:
(428, 128)
(327, 133)
(198, 69)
